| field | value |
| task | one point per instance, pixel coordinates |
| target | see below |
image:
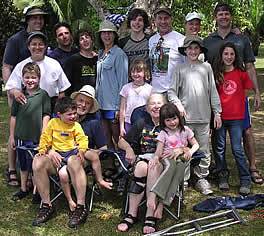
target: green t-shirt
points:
(29, 116)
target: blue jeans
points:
(235, 129)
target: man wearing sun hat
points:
(164, 53)
(87, 106)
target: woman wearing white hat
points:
(112, 74)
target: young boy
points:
(194, 92)
(28, 121)
(62, 135)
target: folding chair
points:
(123, 169)
(195, 161)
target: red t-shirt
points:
(232, 94)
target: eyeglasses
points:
(158, 47)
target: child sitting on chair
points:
(173, 136)
(28, 121)
(62, 135)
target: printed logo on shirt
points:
(173, 142)
(88, 70)
(229, 87)
(160, 59)
(148, 141)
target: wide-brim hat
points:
(192, 15)
(107, 26)
(35, 11)
(34, 34)
(163, 9)
(189, 40)
(88, 91)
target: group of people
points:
(60, 99)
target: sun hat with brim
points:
(37, 34)
(35, 11)
(163, 9)
(107, 26)
(192, 15)
(88, 91)
(189, 40)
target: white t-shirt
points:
(52, 78)
(164, 61)
(135, 97)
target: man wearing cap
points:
(53, 80)
(164, 53)
(192, 24)
(224, 32)
(16, 47)
(64, 39)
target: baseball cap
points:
(192, 15)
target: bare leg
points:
(78, 177)
(115, 129)
(152, 201)
(108, 132)
(250, 148)
(24, 176)
(12, 163)
(153, 175)
(135, 199)
(42, 168)
(96, 165)
(65, 185)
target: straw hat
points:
(88, 91)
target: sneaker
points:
(46, 212)
(244, 189)
(19, 195)
(79, 216)
(36, 199)
(203, 186)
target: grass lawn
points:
(16, 217)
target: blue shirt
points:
(92, 128)
(16, 48)
(112, 75)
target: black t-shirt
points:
(80, 71)
(142, 136)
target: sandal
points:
(152, 223)
(13, 180)
(19, 195)
(256, 176)
(129, 224)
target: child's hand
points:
(80, 154)
(56, 158)
(217, 122)
(122, 132)
(155, 161)
(172, 153)
(40, 154)
(187, 156)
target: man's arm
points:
(253, 77)
(6, 71)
